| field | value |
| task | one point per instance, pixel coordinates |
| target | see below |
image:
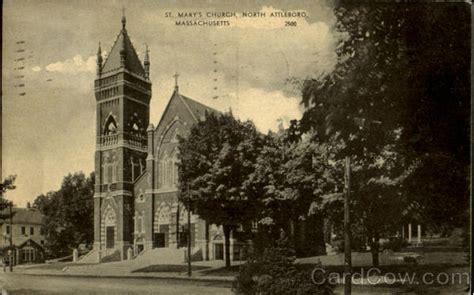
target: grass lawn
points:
(396, 268)
(433, 264)
(223, 272)
(419, 270)
(169, 268)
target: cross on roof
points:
(123, 17)
(176, 75)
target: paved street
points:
(28, 284)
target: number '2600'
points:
(291, 24)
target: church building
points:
(136, 196)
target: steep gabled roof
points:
(32, 243)
(25, 216)
(197, 109)
(123, 45)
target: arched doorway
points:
(109, 221)
(162, 226)
(218, 247)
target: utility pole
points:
(189, 234)
(11, 237)
(347, 229)
(177, 228)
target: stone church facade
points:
(136, 197)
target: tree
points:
(437, 118)
(214, 163)
(7, 184)
(294, 177)
(68, 214)
(396, 92)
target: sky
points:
(254, 66)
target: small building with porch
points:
(24, 230)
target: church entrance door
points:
(110, 237)
(158, 240)
(219, 251)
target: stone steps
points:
(91, 257)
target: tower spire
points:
(122, 48)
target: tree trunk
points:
(374, 248)
(227, 230)
(292, 234)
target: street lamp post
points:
(189, 234)
(347, 229)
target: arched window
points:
(110, 126)
(174, 137)
(109, 216)
(168, 171)
(135, 125)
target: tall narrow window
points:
(133, 168)
(114, 167)
(32, 231)
(116, 170)
(168, 172)
(104, 170)
(161, 174)
(139, 224)
(141, 166)
(109, 173)
(8, 229)
(135, 218)
(175, 168)
(23, 230)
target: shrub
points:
(395, 244)
(274, 272)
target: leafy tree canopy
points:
(68, 214)
(398, 104)
(7, 184)
(215, 160)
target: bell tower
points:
(123, 92)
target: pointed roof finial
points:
(124, 20)
(99, 55)
(147, 58)
(146, 63)
(99, 61)
(176, 87)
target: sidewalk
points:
(125, 269)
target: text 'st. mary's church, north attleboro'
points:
(135, 202)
